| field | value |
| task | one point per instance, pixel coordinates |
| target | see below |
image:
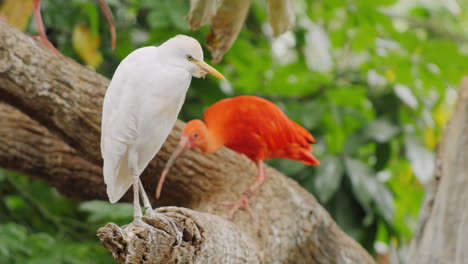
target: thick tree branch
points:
(61, 94)
(29, 148)
(66, 98)
(442, 228)
(204, 236)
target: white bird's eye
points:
(189, 57)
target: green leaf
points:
(157, 18)
(14, 202)
(3, 175)
(101, 210)
(384, 202)
(368, 190)
(422, 160)
(406, 95)
(93, 16)
(382, 153)
(353, 142)
(13, 239)
(408, 194)
(287, 167)
(307, 114)
(381, 130)
(328, 178)
(347, 212)
(359, 174)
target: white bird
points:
(140, 108)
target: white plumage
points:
(140, 108)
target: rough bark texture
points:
(29, 148)
(204, 236)
(442, 231)
(64, 97)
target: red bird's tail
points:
(304, 133)
(299, 153)
(306, 157)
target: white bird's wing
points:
(140, 108)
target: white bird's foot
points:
(149, 211)
(170, 222)
(139, 222)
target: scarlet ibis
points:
(140, 108)
(249, 125)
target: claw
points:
(138, 221)
(170, 222)
(242, 204)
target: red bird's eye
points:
(195, 135)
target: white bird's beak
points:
(208, 69)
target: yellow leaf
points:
(390, 74)
(441, 114)
(86, 45)
(406, 174)
(430, 138)
(17, 12)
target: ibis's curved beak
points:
(183, 145)
(208, 69)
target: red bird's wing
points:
(258, 128)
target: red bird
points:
(249, 125)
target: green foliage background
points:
(373, 80)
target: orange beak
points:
(184, 144)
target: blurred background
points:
(373, 80)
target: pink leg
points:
(243, 202)
(40, 27)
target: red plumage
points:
(259, 129)
(249, 125)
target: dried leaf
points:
(201, 11)
(281, 15)
(86, 45)
(225, 27)
(17, 12)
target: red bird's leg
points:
(40, 27)
(243, 202)
(107, 12)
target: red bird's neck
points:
(212, 143)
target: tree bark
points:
(29, 148)
(206, 239)
(442, 232)
(61, 147)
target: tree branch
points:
(206, 239)
(442, 227)
(59, 93)
(66, 98)
(29, 148)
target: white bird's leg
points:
(136, 199)
(144, 197)
(138, 186)
(133, 164)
